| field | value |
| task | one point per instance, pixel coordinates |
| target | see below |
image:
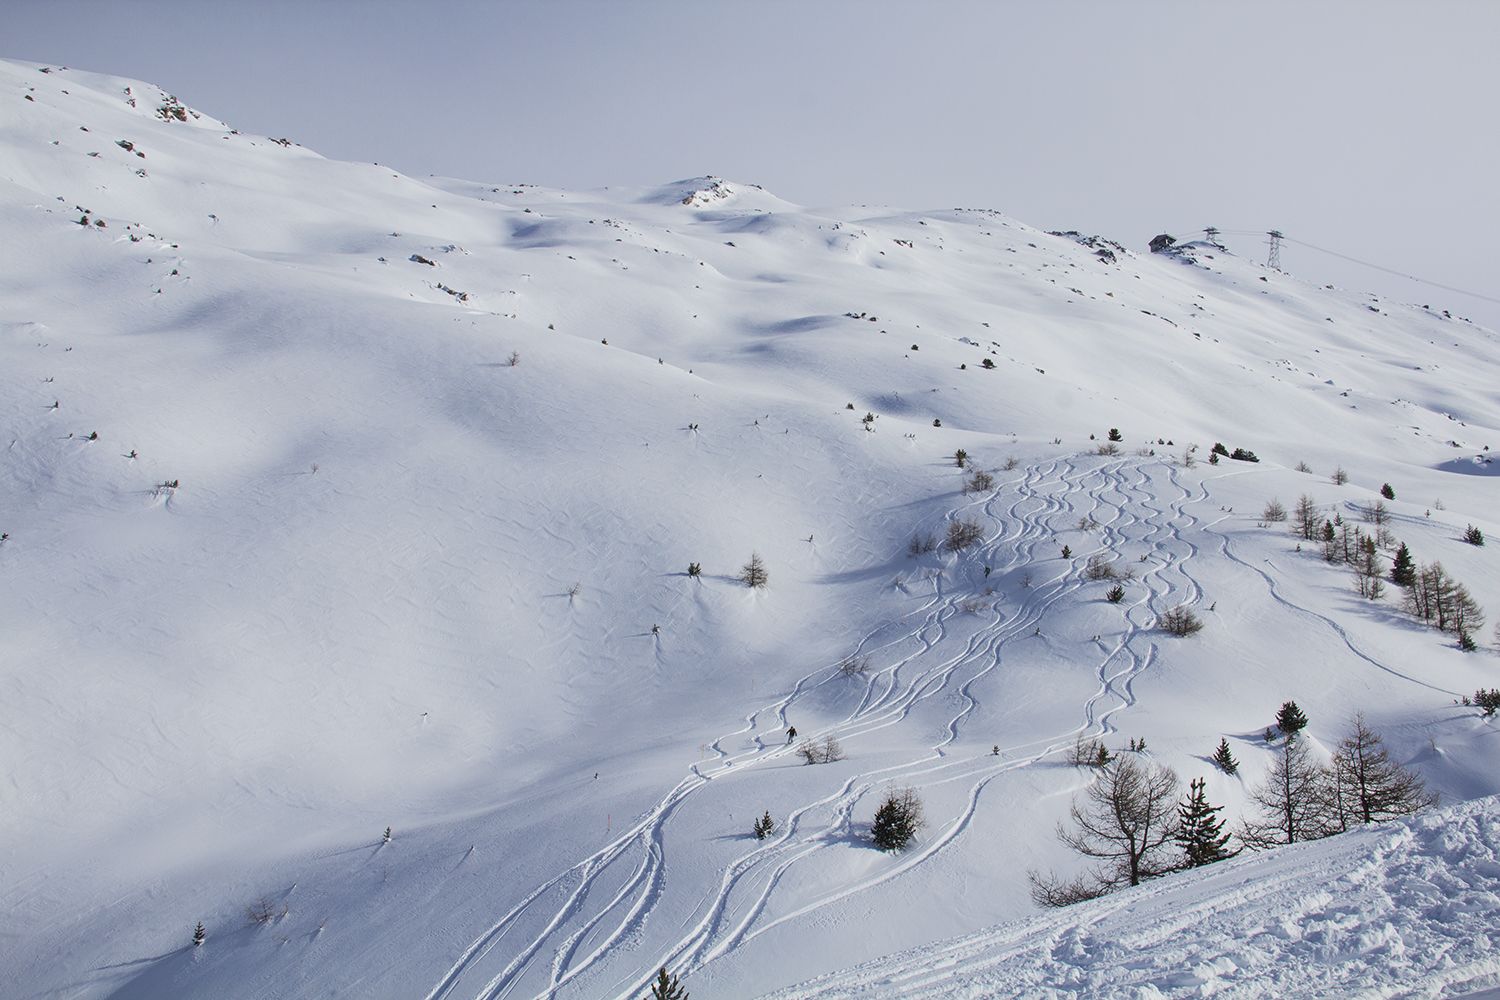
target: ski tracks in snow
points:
(1134, 506)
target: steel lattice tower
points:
(1274, 262)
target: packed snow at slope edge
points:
(371, 588)
(1406, 909)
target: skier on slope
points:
(791, 733)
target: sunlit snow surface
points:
(404, 582)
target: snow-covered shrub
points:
(920, 544)
(963, 534)
(978, 481)
(853, 665)
(1179, 621)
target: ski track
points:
(1138, 505)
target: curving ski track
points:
(1140, 505)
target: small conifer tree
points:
(1200, 833)
(1290, 719)
(1224, 759)
(199, 934)
(667, 988)
(765, 826)
(1387, 492)
(1473, 535)
(1403, 570)
(1067, 553)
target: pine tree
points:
(1224, 760)
(1200, 833)
(199, 935)
(1290, 719)
(1387, 492)
(765, 826)
(667, 988)
(897, 820)
(1403, 570)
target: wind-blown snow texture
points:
(387, 524)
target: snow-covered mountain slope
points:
(389, 516)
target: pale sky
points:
(1369, 128)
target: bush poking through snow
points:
(753, 573)
(1089, 753)
(978, 481)
(1473, 535)
(1100, 567)
(963, 534)
(764, 827)
(853, 665)
(695, 569)
(1387, 492)
(199, 935)
(1115, 595)
(825, 752)
(263, 911)
(1488, 700)
(897, 820)
(1179, 621)
(960, 456)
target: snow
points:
(403, 582)
(1407, 908)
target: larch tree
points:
(1293, 800)
(1371, 786)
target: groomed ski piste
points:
(387, 524)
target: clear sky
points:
(1368, 128)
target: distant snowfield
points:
(443, 453)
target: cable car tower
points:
(1274, 261)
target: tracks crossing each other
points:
(587, 924)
